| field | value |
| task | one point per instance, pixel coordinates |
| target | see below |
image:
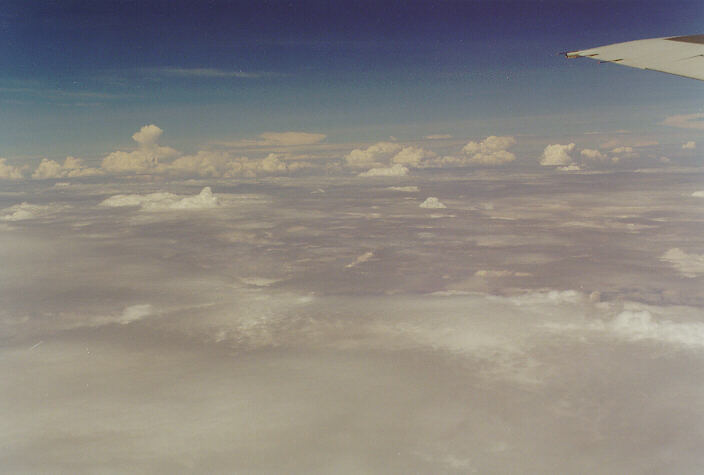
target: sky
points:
(348, 237)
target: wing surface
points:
(679, 55)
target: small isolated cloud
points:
(145, 158)
(486, 273)
(570, 168)
(438, 136)
(360, 260)
(691, 145)
(690, 265)
(698, 194)
(278, 139)
(623, 152)
(134, 313)
(209, 73)
(686, 121)
(665, 160)
(24, 211)
(72, 167)
(407, 189)
(432, 203)
(557, 155)
(395, 170)
(376, 155)
(492, 150)
(164, 201)
(9, 172)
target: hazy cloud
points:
(691, 145)
(690, 265)
(395, 170)
(686, 121)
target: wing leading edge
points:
(679, 55)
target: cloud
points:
(557, 154)
(278, 139)
(570, 168)
(432, 203)
(9, 172)
(360, 260)
(686, 121)
(592, 154)
(24, 211)
(395, 170)
(490, 151)
(164, 201)
(623, 152)
(407, 189)
(438, 136)
(691, 145)
(72, 167)
(698, 194)
(690, 265)
(209, 73)
(376, 155)
(412, 156)
(147, 156)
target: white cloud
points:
(691, 145)
(557, 155)
(490, 151)
(145, 158)
(277, 139)
(376, 155)
(623, 152)
(432, 203)
(148, 135)
(23, 211)
(164, 201)
(570, 168)
(9, 172)
(361, 259)
(698, 194)
(690, 265)
(72, 167)
(412, 156)
(396, 170)
(592, 154)
(686, 121)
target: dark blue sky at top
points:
(314, 65)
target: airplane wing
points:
(679, 55)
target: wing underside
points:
(679, 55)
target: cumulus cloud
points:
(147, 156)
(10, 172)
(691, 145)
(557, 155)
(592, 154)
(376, 155)
(492, 150)
(686, 121)
(395, 170)
(690, 265)
(432, 203)
(164, 201)
(623, 152)
(72, 167)
(412, 156)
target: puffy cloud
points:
(412, 156)
(570, 168)
(623, 152)
(164, 201)
(72, 167)
(686, 121)
(490, 151)
(691, 145)
(147, 135)
(592, 154)
(698, 194)
(374, 156)
(395, 170)
(145, 158)
(438, 136)
(557, 155)
(432, 203)
(9, 172)
(690, 265)
(24, 211)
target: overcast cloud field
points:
(348, 238)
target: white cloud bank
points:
(164, 201)
(72, 167)
(10, 172)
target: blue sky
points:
(81, 77)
